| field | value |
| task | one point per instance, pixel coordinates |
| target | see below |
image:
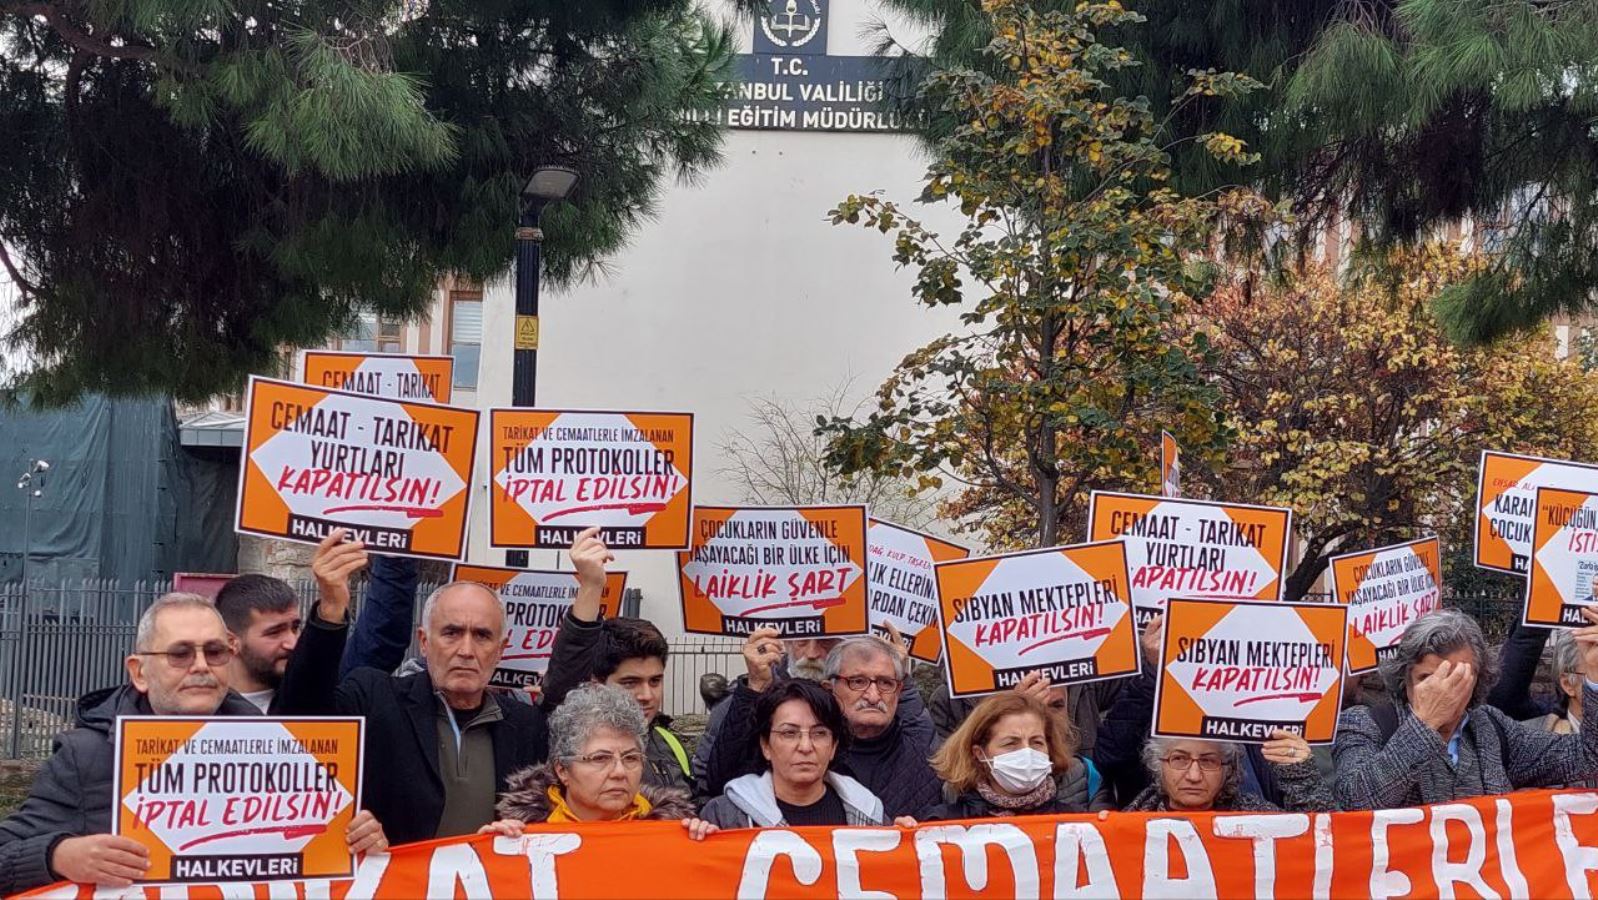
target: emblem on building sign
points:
(791, 24)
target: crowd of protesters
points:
(816, 732)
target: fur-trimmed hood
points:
(526, 797)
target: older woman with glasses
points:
(595, 771)
(1203, 776)
(799, 731)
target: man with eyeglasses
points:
(179, 667)
(890, 737)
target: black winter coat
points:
(403, 786)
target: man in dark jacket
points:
(625, 653)
(179, 668)
(440, 747)
(890, 743)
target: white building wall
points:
(740, 288)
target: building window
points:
(466, 336)
(373, 334)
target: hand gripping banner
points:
(1539, 844)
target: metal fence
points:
(61, 641)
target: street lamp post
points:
(32, 483)
(548, 185)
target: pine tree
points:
(1404, 115)
(187, 186)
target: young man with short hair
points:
(623, 652)
(275, 643)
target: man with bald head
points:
(439, 744)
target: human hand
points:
(1151, 641)
(107, 859)
(334, 562)
(1439, 700)
(1285, 748)
(699, 829)
(504, 828)
(365, 834)
(589, 555)
(762, 651)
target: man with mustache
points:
(890, 732)
(439, 745)
(179, 667)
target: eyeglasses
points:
(859, 683)
(181, 656)
(1181, 762)
(792, 735)
(632, 760)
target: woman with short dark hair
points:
(799, 731)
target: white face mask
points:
(1020, 771)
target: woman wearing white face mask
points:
(1011, 758)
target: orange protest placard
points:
(1190, 548)
(238, 799)
(903, 589)
(1506, 503)
(535, 604)
(798, 569)
(396, 376)
(396, 475)
(555, 473)
(1236, 671)
(1062, 611)
(1564, 571)
(1385, 589)
(1527, 844)
(1170, 466)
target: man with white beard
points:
(892, 732)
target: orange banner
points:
(798, 569)
(228, 799)
(1534, 844)
(1063, 611)
(535, 603)
(397, 475)
(553, 473)
(1236, 671)
(397, 376)
(1385, 589)
(1506, 502)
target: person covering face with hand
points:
(1439, 742)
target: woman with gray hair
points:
(595, 771)
(1438, 741)
(1569, 671)
(1192, 775)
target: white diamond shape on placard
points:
(267, 833)
(628, 512)
(1575, 574)
(1239, 559)
(1040, 569)
(393, 371)
(293, 449)
(1241, 625)
(1421, 581)
(782, 605)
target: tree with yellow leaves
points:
(1348, 403)
(1074, 266)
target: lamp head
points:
(549, 183)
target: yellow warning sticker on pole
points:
(526, 332)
